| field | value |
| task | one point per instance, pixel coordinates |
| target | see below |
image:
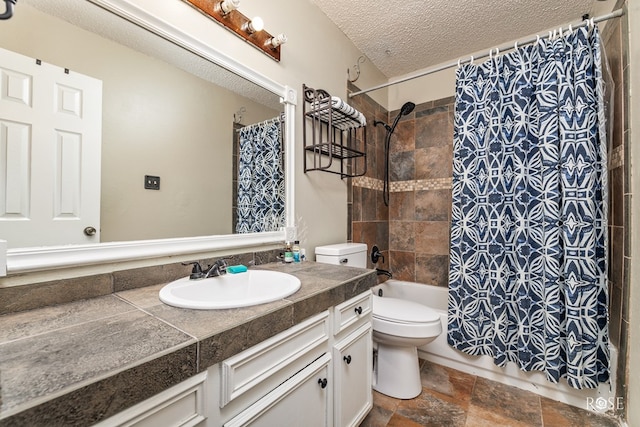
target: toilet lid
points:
(403, 311)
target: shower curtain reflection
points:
(260, 192)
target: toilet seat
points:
(402, 311)
(402, 318)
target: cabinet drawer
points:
(275, 359)
(303, 400)
(181, 405)
(352, 311)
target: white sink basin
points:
(230, 290)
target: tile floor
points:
(451, 398)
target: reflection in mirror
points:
(167, 114)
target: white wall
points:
(423, 89)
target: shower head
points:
(407, 108)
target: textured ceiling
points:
(403, 36)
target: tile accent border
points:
(402, 186)
(367, 182)
(616, 157)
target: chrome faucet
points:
(217, 269)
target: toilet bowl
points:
(399, 328)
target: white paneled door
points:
(50, 146)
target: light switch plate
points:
(151, 182)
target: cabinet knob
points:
(347, 359)
(322, 382)
(90, 231)
(358, 310)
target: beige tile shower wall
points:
(416, 225)
(368, 217)
(631, 35)
(616, 49)
(420, 212)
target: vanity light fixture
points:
(226, 6)
(226, 13)
(276, 41)
(253, 26)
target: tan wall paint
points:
(428, 88)
(317, 54)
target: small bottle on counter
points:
(296, 251)
(288, 254)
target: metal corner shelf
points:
(332, 134)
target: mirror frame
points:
(25, 260)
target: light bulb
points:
(228, 5)
(255, 25)
(277, 40)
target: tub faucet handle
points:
(376, 255)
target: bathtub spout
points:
(8, 13)
(382, 272)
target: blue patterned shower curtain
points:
(527, 276)
(260, 178)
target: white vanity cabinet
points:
(352, 361)
(317, 373)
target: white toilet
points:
(399, 327)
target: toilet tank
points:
(351, 254)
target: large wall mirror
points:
(169, 107)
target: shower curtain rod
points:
(504, 47)
(278, 118)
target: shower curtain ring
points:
(592, 23)
(458, 62)
(471, 60)
(515, 45)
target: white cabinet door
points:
(182, 405)
(50, 150)
(304, 400)
(352, 375)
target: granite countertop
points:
(81, 362)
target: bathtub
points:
(438, 351)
